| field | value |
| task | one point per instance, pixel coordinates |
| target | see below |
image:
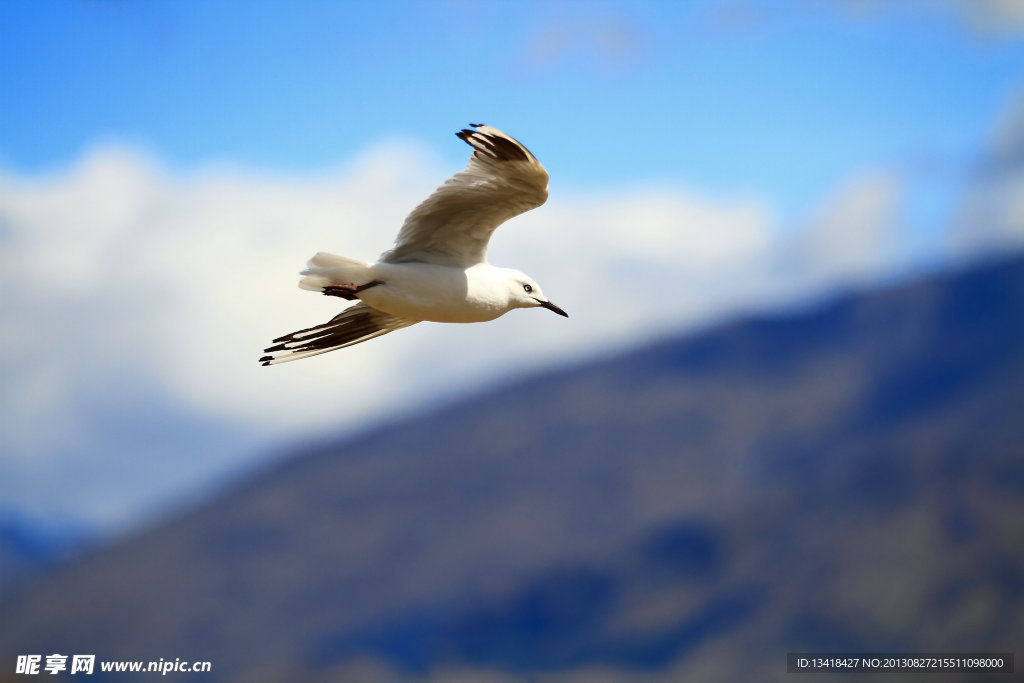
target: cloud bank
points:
(137, 301)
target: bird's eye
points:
(528, 288)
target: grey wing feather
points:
(355, 324)
(453, 226)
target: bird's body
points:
(437, 270)
(443, 294)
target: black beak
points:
(551, 307)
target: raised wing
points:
(355, 324)
(453, 226)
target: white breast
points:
(426, 291)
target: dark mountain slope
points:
(849, 478)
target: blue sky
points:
(780, 97)
(167, 167)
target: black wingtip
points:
(466, 132)
(265, 360)
(499, 148)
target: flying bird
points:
(437, 269)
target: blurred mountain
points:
(849, 478)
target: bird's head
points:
(524, 292)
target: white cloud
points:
(984, 19)
(610, 44)
(126, 284)
(855, 234)
(994, 17)
(184, 279)
(992, 218)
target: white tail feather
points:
(329, 269)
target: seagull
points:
(437, 269)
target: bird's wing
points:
(453, 225)
(353, 325)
